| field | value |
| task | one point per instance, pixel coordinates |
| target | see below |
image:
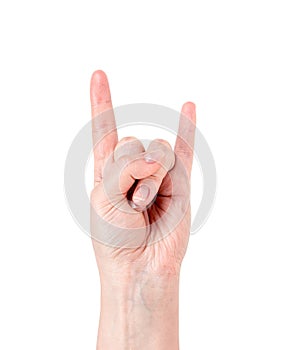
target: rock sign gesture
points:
(140, 202)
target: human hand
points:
(140, 207)
(141, 198)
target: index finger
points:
(103, 122)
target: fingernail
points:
(141, 194)
(154, 156)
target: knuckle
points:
(163, 142)
(127, 139)
(103, 125)
(127, 147)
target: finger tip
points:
(189, 107)
(99, 87)
(189, 110)
(98, 75)
(98, 80)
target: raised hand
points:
(140, 206)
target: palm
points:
(163, 227)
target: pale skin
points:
(139, 194)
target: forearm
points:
(139, 311)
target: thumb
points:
(147, 189)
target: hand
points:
(140, 208)
(139, 197)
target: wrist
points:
(140, 288)
(139, 311)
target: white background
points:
(226, 57)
